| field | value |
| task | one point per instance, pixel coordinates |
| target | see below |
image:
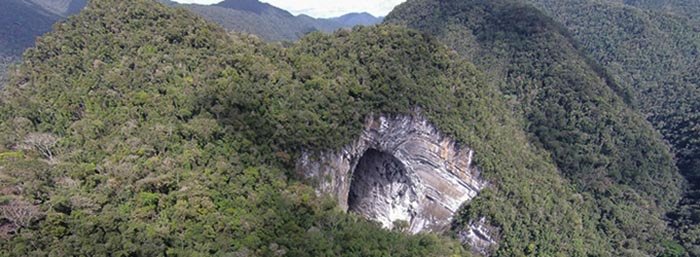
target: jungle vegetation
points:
(139, 129)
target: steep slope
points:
(150, 146)
(173, 137)
(272, 26)
(62, 8)
(5, 64)
(21, 21)
(528, 205)
(572, 108)
(323, 25)
(253, 6)
(685, 9)
(655, 55)
(20, 24)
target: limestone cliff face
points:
(400, 169)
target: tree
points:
(400, 226)
(41, 142)
(20, 213)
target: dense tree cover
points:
(132, 147)
(684, 9)
(572, 108)
(655, 55)
(172, 137)
(529, 203)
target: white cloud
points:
(325, 9)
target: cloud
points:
(325, 9)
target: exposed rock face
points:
(478, 235)
(400, 169)
(381, 189)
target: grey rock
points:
(478, 235)
(400, 169)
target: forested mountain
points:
(572, 108)
(272, 23)
(21, 21)
(273, 26)
(656, 56)
(686, 9)
(173, 137)
(352, 19)
(253, 6)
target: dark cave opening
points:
(381, 189)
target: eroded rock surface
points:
(400, 169)
(477, 234)
(382, 190)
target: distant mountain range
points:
(21, 21)
(352, 19)
(270, 22)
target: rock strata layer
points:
(401, 170)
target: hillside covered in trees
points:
(175, 137)
(653, 52)
(571, 107)
(683, 9)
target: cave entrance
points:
(381, 189)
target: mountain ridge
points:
(254, 6)
(21, 21)
(362, 18)
(571, 108)
(273, 23)
(653, 53)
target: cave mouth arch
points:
(381, 189)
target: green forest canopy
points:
(571, 108)
(651, 47)
(173, 137)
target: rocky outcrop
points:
(477, 234)
(400, 169)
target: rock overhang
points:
(408, 171)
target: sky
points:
(324, 8)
